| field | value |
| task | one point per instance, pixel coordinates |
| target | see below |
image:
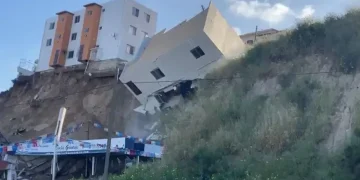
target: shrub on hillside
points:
(228, 132)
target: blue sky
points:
(22, 21)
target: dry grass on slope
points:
(229, 132)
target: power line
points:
(172, 81)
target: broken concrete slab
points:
(105, 68)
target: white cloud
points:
(237, 30)
(271, 13)
(307, 11)
(262, 10)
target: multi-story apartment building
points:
(113, 30)
(172, 59)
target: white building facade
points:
(113, 30)
(184, 53)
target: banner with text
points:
(70, 147)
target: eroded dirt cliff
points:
(86, 99)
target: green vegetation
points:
(230, 132)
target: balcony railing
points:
(26, 67)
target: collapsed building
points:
(170, 62)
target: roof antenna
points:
(202, 7)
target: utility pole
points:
(256, 29)
(58, 131)
(88, 130)
(116, 98)
(87, 157)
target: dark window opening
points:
(197, 52)
(52, 26)
(157, 73)
(135, 12)
(130, 49)
(80, 52)
(249, 42)
(147, 16)
(89, 12)
(70, 54)
(132, 30)
(133, 87)
(48, 42)
(77, 19)
(57, 53)
(73, 36)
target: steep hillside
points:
(87, 100)
(288, 109)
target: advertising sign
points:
(70, 147)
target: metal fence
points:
(27, 65)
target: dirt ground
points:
(87, 100)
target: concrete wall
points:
(105, 68)
(110, 23)
(141, 25)
(177, 64)
(75, 44)
(222, 34)
(45, 51)
(116, 17)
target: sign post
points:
(58, 131)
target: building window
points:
(249, 42)
(157, 73)
(145, 34)
(134, 88)
(52, 26)
(197, 52)
(86, 30)
(130, 49)
(73, 36)
(70, 54)
(89, 12)
(132, 30)
(147, 17)
(77, 19)
(135, 12)
(48, 42)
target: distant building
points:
(113, 30)
(261, 36)
(172, 59)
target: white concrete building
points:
(263, 36)
(185, 52)
(113, 30)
